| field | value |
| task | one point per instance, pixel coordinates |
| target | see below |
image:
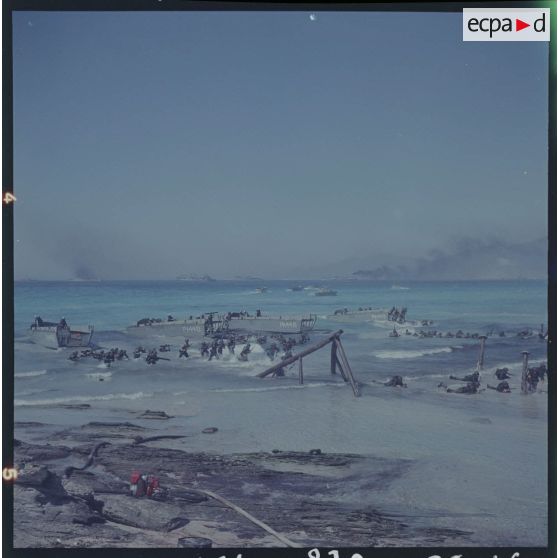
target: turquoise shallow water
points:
(473, 456)
(115, 304)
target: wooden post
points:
(348, 370)
(339, 360)
(333, 357)
(300, 374)
(524, 388)
(481, 355)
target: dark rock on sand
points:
(159, 415)
(284, 490)
(30, 453)
(33, 475)
(85, 484)
(74, 406)
(100, 430)
(142, 512)
(210, 430)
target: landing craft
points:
(221, 324)
(54, 335)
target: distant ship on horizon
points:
(204, 278)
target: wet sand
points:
(73, 491)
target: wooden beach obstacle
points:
(524, 371)
(338, 361)
(480, 363)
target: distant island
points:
(247, 278)
(197, 278)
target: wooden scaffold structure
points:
(339, 361)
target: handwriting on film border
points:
(315, 553)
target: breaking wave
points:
(413, 354)
(275, 388)
(29, 374)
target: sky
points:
(148, 145)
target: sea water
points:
(476, 462)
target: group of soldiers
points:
(107, 357)
(152, 356)
(396, 315)
(472, 383)
(217, 347)
(430, 334)
(534, 376)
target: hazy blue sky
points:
(152, 144)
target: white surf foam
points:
(412, 353)
(274, 388)
(99, 375)
(29, 374)
(80, 399)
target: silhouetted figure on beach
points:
(474, 377)
(502, 374)
(469, 388)
(502, 387)
(395, 381)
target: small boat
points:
(54, 335)
(325, 292)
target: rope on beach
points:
(261, 524)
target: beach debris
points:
(90, 459)
(210, 430)
(160, 415)
(144, 513)
(142, 440)
(249, 516)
